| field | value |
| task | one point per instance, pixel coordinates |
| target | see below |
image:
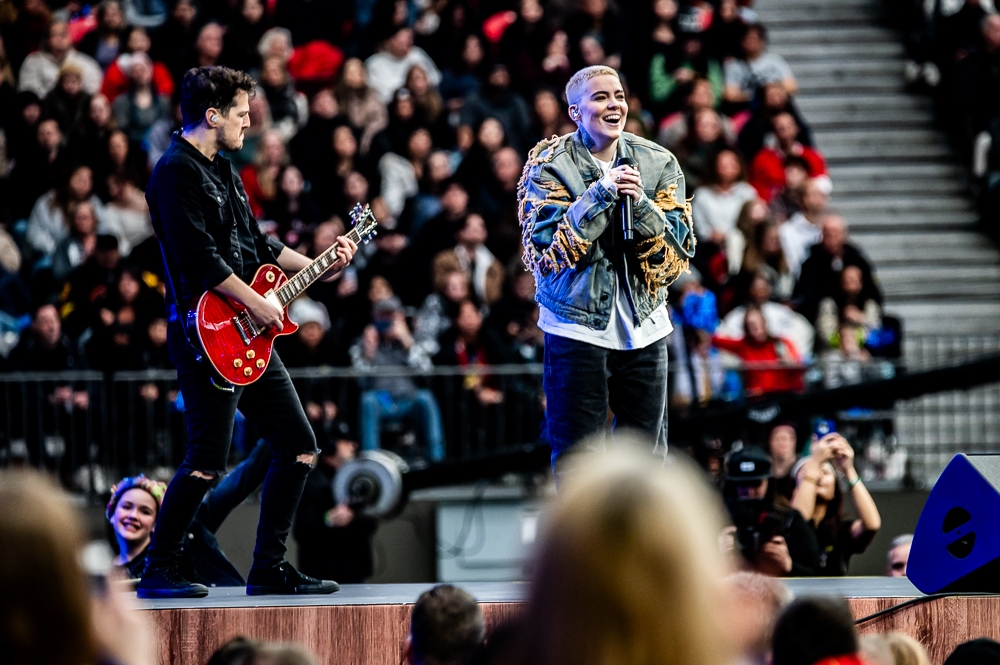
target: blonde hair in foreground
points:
(629, 570)
(44, 594)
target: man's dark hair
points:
(759, 28)
(813, 629)
(446, 626)
(204, 88)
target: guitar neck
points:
(304, 278)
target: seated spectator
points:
(781, 320)
(116, 77)
(173, 39)
(289, 109)
(757, 67)
(90, 138)
(394, 261)
(48, 224)
(385, 344)
(426, 98)
(310, 149)
(717, 205)
(400, 173)
(387, 69)
(207, 47)
(477, 163)
(87, 284)
(496, 99)
(439, 309)
(360, 103)
(40, 70)
(80, 242)
(132, 511)
(516, 315)
(308, 346)
(137, 109)
(898, 555)
(764, 256)
(45, 348)
(260, 179)
(438, 233)
(59, 617)
(67, 103)
(463, 77)
(123, 315)
(802, 230)
(468, 343)
(403, 121)
(497, 198)
(669, 73)
(243, 34)
(294, 211)
(853, 303)
(674, 128)
(820, 276)
(697, 152)
(610, 550)
(771, 537)
(471, 257)
(41, 167)
(756, 131)
(782, 447)
(548, 116)
(699, 377)
(774, 364)
(122, 158)
(334, 540)
(820, 499)
(788, 200)
(446, 626)
(814, 630)
(105, 41)
(767, 170)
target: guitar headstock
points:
(364, 223)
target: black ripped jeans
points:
(273, 407)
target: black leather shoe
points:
(169, 583)
(283, 579)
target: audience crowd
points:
(425, 111)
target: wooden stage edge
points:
(368, 624)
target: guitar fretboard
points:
(294, 287)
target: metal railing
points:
(90, 428)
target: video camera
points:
(757, 522)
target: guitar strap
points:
(176, 315)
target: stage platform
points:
(368, 624)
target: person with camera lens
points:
(819, 498)
(773, 537)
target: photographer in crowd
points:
(819, 498)
(772, 536)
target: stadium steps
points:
(907, 204)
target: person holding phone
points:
(819, 497)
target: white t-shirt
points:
(621, 334)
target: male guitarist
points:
(210, 240)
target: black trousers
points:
(273, 407)
(582, 381)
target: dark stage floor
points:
(506, 592)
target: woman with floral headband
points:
(132, 511)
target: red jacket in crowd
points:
(767, 171)
(774, 351)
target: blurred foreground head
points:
(629, 569)
(44, 594)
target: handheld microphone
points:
(626, 204)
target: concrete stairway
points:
(907, 204)
(895, 177)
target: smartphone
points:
(822, 427)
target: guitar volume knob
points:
(250, 354)
(237, 363)
(260, 363)
(248, 371)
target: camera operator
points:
(332, 538)
(772, 537)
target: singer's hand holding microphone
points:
(625, 180)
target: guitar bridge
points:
(245, 327)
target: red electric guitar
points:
(239, 350)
